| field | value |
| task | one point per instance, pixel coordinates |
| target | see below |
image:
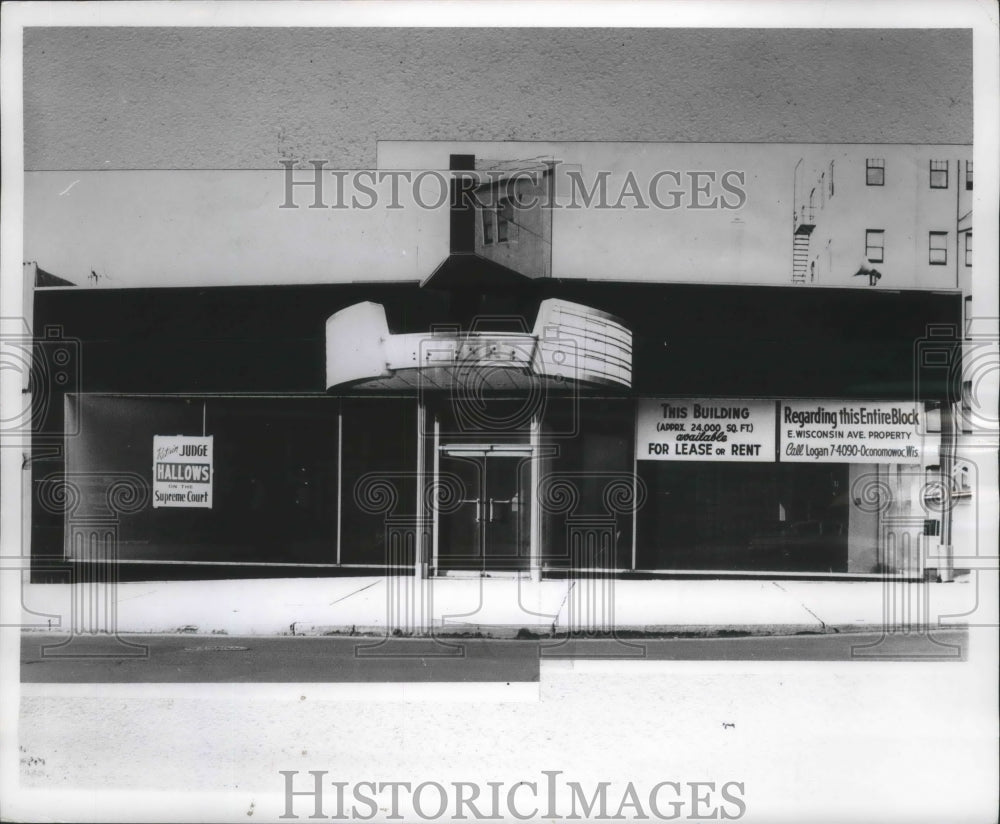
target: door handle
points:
(511, 502)
(479, 507)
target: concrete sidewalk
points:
(496, 607)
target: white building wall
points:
(905, 208)
(717, 213)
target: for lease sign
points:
(862, 432)
(705, 430)
(182, 471)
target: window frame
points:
(875, 165)
(506, 226)
(939, 167)
(968, 175)
(931, 248)
(968, 248)
(869, 245)
(503, 229)
(489, 226)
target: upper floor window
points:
(938, 248)
(505, 220)
(875, 171)
(968, 248)
(968, 175)
(831, 179)
(939, 174)
(875, 245)
(499, 225)
(488, 221)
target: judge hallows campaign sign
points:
(182, 471)
(863, 432)
(705, 430)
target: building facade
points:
(906, 213)
(506, 416)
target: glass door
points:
(485, 526)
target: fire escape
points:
(803, 220)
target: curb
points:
(510, 632)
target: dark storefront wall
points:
(378, 496)
(327, 482)
(277, 457)
(755, 517)
(275, 485)
(587, 484)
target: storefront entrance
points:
(484, 523)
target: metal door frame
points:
(486, 450)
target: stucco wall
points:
(117, 98)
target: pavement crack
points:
(822, 623)
(140, 595)
(562, 606)
(355, 592)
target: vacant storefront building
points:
(503, 416)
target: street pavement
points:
(194, 658)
